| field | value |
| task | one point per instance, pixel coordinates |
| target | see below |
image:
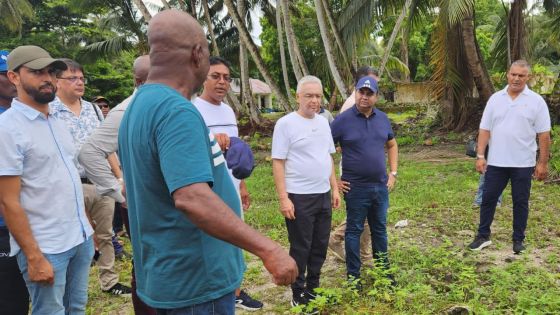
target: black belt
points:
(86, 181)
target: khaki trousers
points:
(101, 211)
(337, 239)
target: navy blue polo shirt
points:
(363, 145)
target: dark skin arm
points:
(209, 213)
(39, 268)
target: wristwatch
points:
(394, 174)
(480, 157)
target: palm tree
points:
(142, 8)
(245, 87)
(323, 28)
(254, 51)
(13, 13)
(296, 58)
(394, 34)
(279, 29)
(516, 31)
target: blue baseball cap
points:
(367, 82)
(4, 60)
(239, 158)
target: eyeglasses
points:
(104, 106)
(217, 76)
(74, 79)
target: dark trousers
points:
(309, 237)
(140, 308)
(117, 218)
(496, 181)
(14, 297)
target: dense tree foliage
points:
(458, 44)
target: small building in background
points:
(261, 92)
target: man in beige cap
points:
(41, 191)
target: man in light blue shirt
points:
(14, 298)
(40, 190)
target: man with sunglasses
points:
(40, 189)
(102, 103)
(82, 118)
(220, 119)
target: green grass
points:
(399, 118)
(435, 190)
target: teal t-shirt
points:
(164, 145)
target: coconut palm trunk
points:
(394, 34)
(245, 88)
(474, 60)
(516, 30)
(298, 63)
(254, 51)
(165, 4)
(328, 48)
(210, 27)
(143, 10)
(279, 29)
(336, 33)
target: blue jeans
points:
(68, 294)
(361, 203)
(496, 181)
(478, 197)
(220, 306)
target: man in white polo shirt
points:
(305, 179)
(220, 119)
(512, 120)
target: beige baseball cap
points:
(33, 57)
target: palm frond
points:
(106, 48)
(13, 13)
(458, 9)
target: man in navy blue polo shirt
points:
(363, 132)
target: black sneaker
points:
(518, 247)
(309, 294)
(299, 298)
(480, 242)
(246, 302)
(304, 298)
(119, 290)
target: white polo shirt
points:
(306, 145)
(513, 126)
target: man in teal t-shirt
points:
(183, 208)
(169, 143)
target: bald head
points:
(141, 67)
(178, 50)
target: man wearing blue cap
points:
(7, 89)
(364, 132)
(14, 298)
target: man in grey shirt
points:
(104, 142)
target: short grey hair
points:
(520, 63)
(308, 79)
